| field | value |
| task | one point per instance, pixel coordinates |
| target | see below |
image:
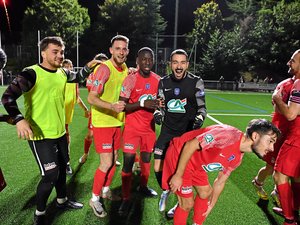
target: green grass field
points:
(238, 204)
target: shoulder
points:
(28, 72)
(102, 70)
(132, 77)
(193, 76)
(154, 75)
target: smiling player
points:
(214, 148)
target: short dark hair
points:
(51, 40)
(145, 49)
(119, 38)
(66, 61)
(261, 126)
(101, 56)
(179, 52)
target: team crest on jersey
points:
(209, 138)
(123, 89)
(176, 91)
(200, 93)
(212, 167)
(186, 190)
(232, 157)
(177, 105)
(147, 86)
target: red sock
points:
(180, 216)
(286, 200)
(87, 145)
(99, 178)
(110, 176)
(296, 193)
(126, 185)
(137, 159)
(145, 172)
(200, 207)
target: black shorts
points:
(163, 141)
(50, 153)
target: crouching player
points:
(217, 147)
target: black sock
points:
(158, 176)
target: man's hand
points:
(93, 63)
(151, 104)
(209, 208)
(175, 183)
(118, 106)
(86, 113)
(158, 117)
(277, 94)
(23, 129)
(198, 122)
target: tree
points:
(62, 18)
(206, 32)
(274, 38)
(139, 20)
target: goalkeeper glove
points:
(198, 122)
(158, 117)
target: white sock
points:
(61, 200)
(95, 198)
(166, 191)
(105, 189)
(38, 213)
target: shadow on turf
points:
(135, 214)
(263, 204)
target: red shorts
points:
(133, 139)
(191, 177)
(279, 121)
(288, 160)
(107, 139)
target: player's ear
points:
(43, 54)
(255, 136)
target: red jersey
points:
(89, 81)
(135, 87)
(99, 78)
(220, 148)
(294, 131)
(280, 121)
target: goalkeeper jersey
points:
(184, 100)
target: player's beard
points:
(254, 150)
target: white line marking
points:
(213, 119)
(228, 114)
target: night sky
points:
(16, 10)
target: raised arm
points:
(81, 75)
(292, 109)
